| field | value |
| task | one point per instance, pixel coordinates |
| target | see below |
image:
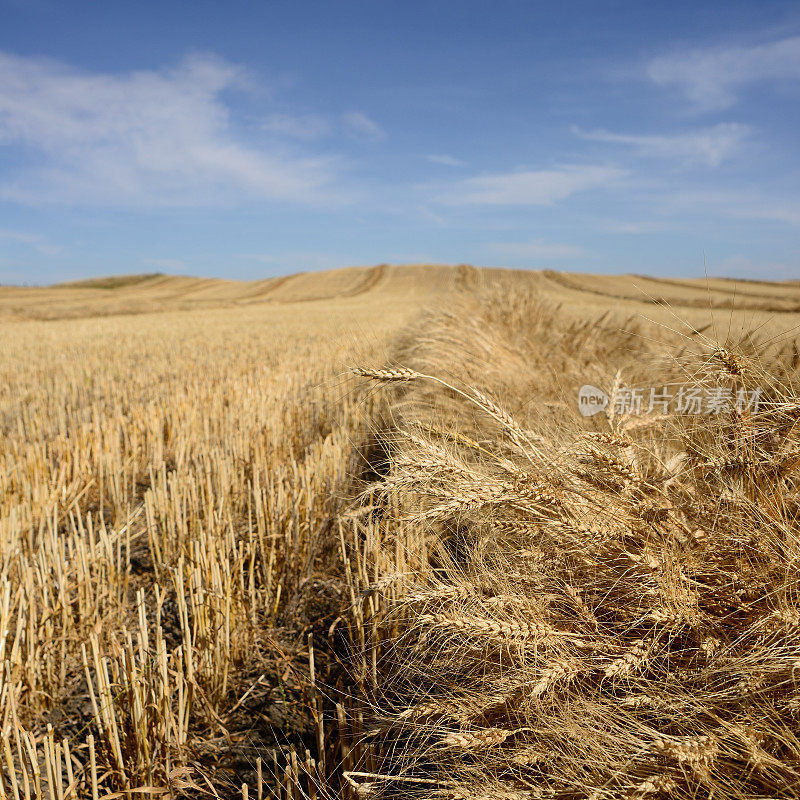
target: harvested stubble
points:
(167, 486)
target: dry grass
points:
(167, 484)
(228, 569)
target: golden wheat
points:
(228, 569)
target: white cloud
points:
(445, 160)
(709, 146)
(307, 127)
(311, 127)
(359, 125)
(19, 236)
(141, 138)
(738, 204)
(539, 187)
(767, 210)
(34, 240)
(712, 77)
(613, 226)
(537, 250)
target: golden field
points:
(345, 534)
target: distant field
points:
(155, 293)
(411, 284)
(227, 559)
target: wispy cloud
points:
(632, 227)
(532, 187)
(535, 250)
(307, 127)
(34, 240)
(312, 127)
(19, 236)
(359, 125)
(142, 138)
(709, 146)
(711, 78)
(445, 160)
(738, 204)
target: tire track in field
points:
(374, 276)
(272, 286)
(740, 303)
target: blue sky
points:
(248, 139)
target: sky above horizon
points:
(251, 139)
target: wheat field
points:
(346, 535)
